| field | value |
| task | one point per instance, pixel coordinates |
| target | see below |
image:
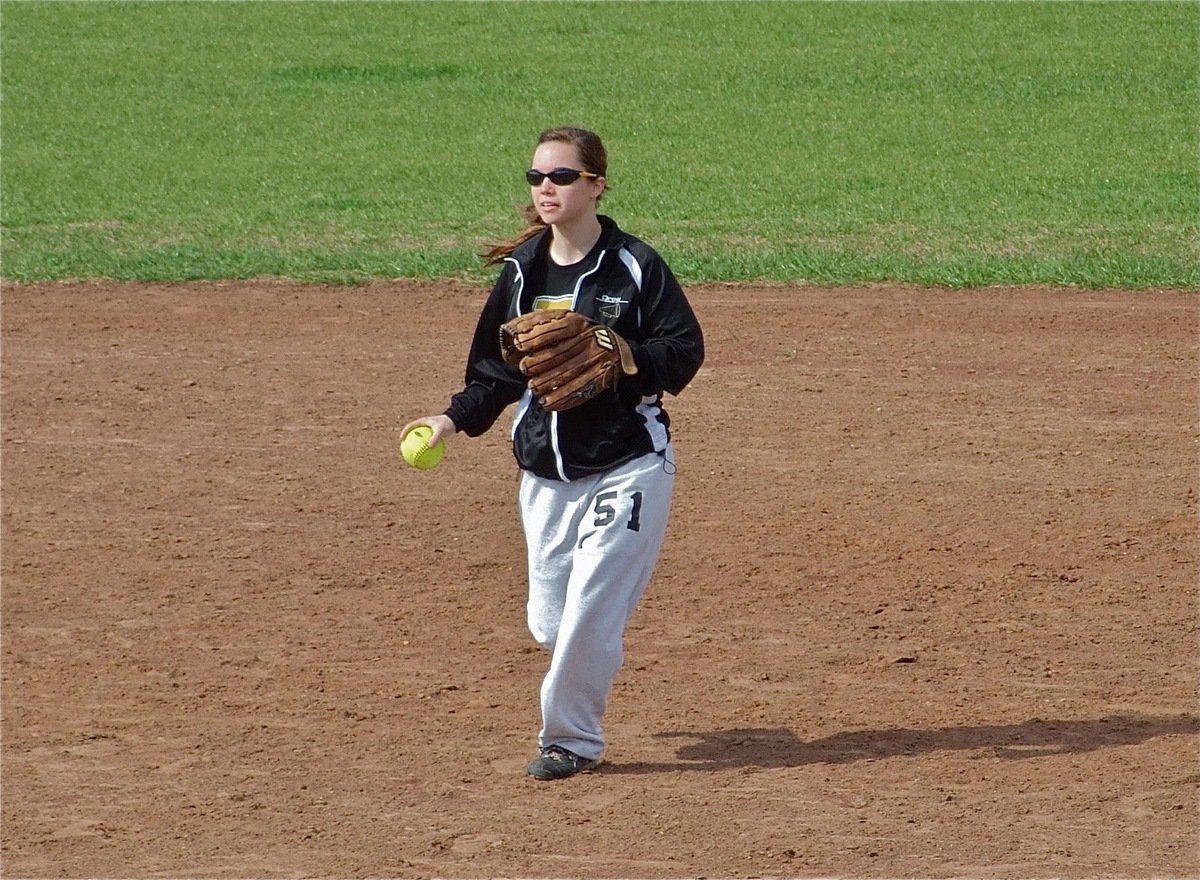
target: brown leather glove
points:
(568, 357)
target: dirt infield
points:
(927, 605)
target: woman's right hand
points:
(441, 426)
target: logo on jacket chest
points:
(610, 306)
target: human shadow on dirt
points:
(780, 747)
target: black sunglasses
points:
(558, 177)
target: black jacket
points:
(632, 290)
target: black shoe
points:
(555, 762)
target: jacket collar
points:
(611, 238)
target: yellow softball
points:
(415, 449)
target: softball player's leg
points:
(593, 544)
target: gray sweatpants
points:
(593, 544)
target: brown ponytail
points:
(501, 249)
(592, 156)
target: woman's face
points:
(561, 205)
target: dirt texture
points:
(927, 605)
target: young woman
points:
(596, 487)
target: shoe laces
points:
(558, 753)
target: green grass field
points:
(935, 143)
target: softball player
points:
(596, 487)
